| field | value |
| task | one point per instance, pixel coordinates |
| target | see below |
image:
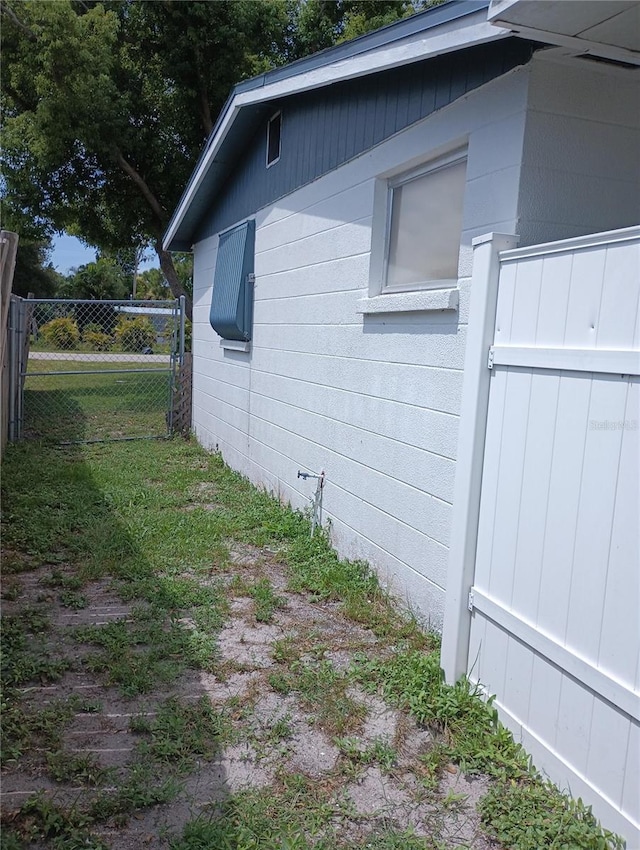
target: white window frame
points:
(266, 153)
(434, 165)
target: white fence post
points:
(470, 456)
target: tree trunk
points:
(168, 269)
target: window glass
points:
(273, 138)
(425, 227)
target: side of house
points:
(350, 296)
(358, 377)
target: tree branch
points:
(205, 109)
(169, 271)
(5, 10)
(156, 207)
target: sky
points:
(69, 252)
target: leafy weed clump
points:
(529, 814)
(180, 733)
(475, 737)
(266, 600)
(40, 819)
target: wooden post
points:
(8, 251)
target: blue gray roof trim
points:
(325, 128)
(396, 31)
(251, 101)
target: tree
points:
(318, 24)
(102, 279)
(33, 272)
(152, 284)
(107, 107)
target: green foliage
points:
(61, 333)
(180, 733)
(64, 767)
(377, 752)
(108, 106)
(477, 740)
(528, 815)
(41, 819)
(100, 280)
(266, 600)
(97, 340)
(134, 334)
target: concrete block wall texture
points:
(581, 156)
(375, 400)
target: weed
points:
(60, 578)
(280, 683)
(65, 767)
(324, 690)
(71, 599)
(136, 656)
(431, 764)
(11, 589)
(40, 819)
(291, 818)
(477, 741)
(378, 752)
(180, 733)
(266, 600)
(25, 657)
(281, 730)
(528, 814)
(139, 790)
(88, 706)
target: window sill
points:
(409, 302)
(235, 345)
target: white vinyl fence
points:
(545, 558)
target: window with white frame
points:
(424, 224)
(274, 130)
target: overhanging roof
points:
(605, 28)
(452, 26)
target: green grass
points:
(267, 602)
(91, 405)
(180, 733)
(133, 514)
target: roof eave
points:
(423, 44)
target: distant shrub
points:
(96, 340)
(61, 333)
(134, 333)
(96, 316)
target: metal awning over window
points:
(232, 300)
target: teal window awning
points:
(231, 313)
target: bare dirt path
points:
(291, 715)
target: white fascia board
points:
(576, 43)
(214, 146)
(421, 46)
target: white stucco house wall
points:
(332, 217)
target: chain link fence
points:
(98, 370)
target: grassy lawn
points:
(129, 400)
(183, 666)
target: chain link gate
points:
(93, 371)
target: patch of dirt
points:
(271, 732)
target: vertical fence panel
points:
(554, 631)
